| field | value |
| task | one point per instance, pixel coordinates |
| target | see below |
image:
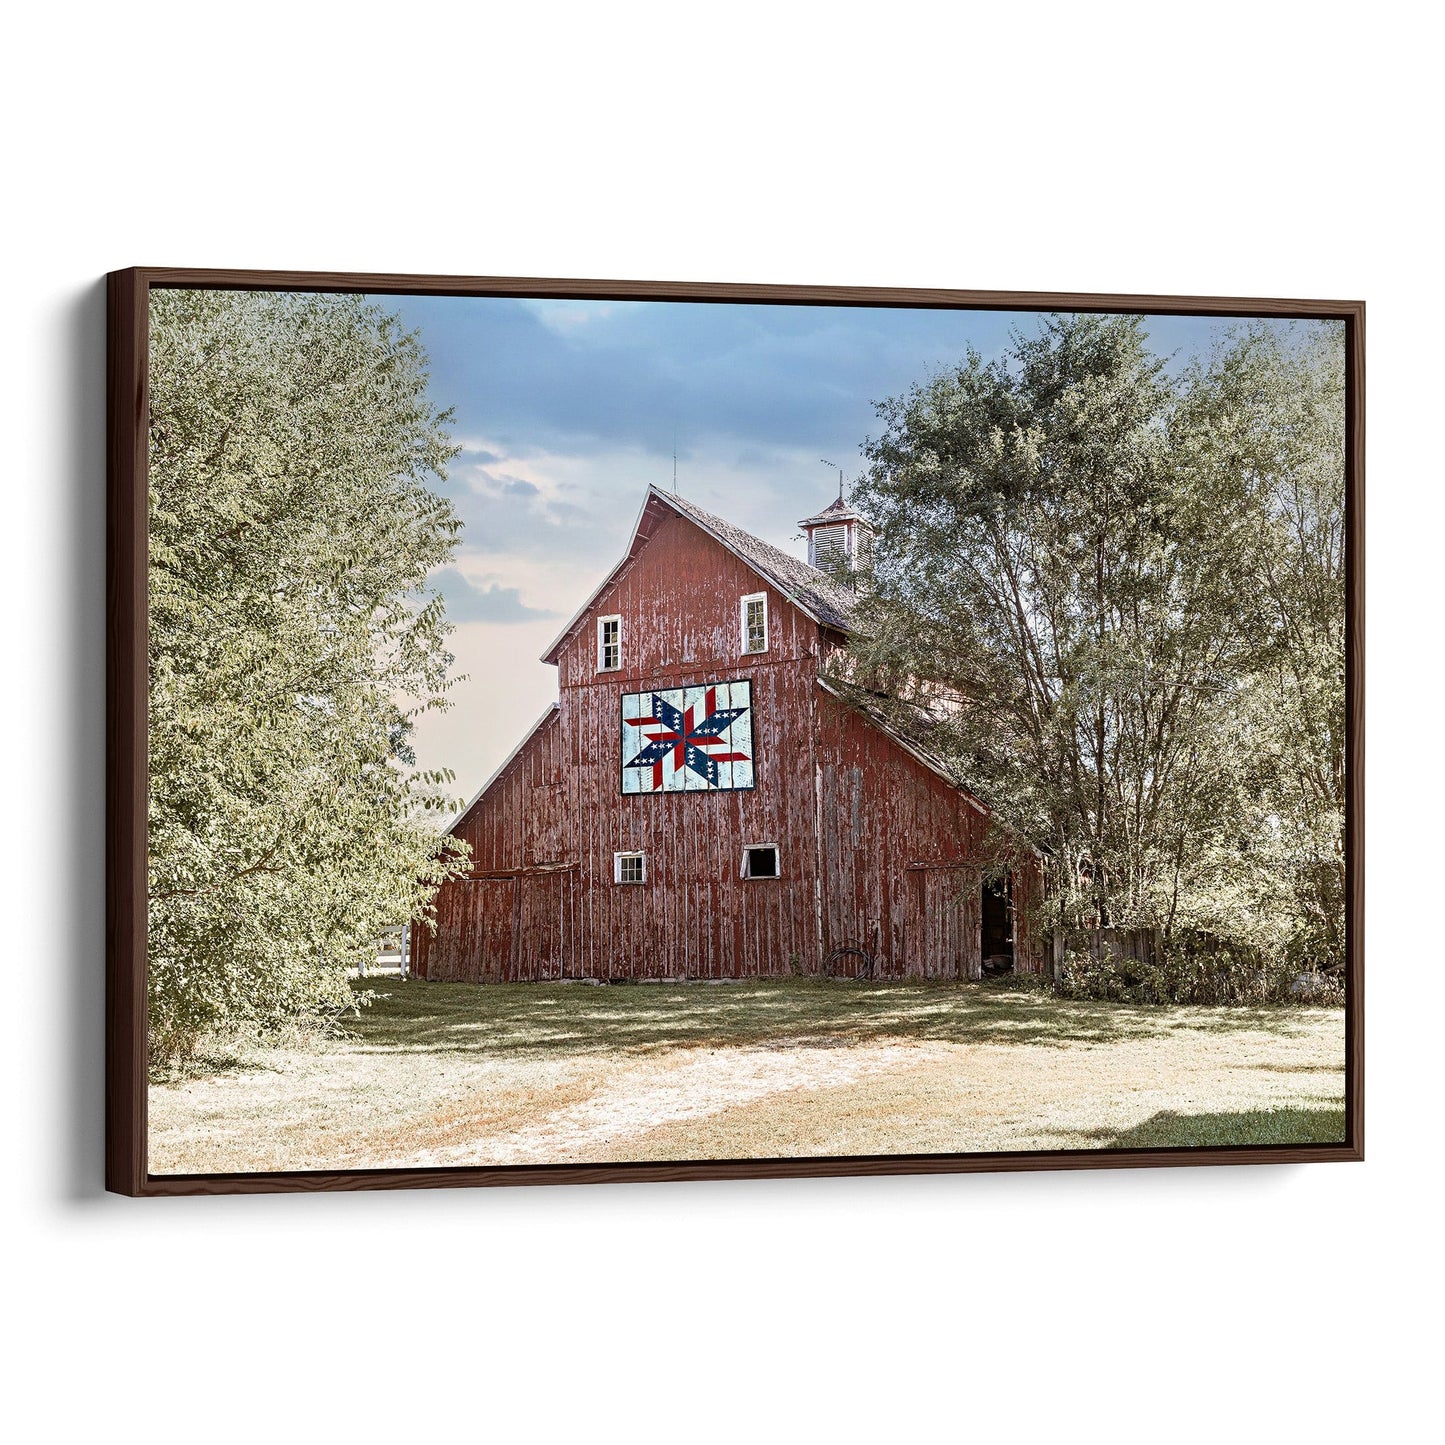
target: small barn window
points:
(629, 868)
(760, 860)
(755, 622)
(609, 644)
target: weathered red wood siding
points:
(517, 833)
(558, 805)
(696, 915)
(876, 851)
(900, 846)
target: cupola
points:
(838, 536)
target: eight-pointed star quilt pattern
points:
(688, 739)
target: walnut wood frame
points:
(126, 1169)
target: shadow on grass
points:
(1322, 1123)
(1288, 1068)
(1264, 1018)
(542, 1020)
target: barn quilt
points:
(688, 739)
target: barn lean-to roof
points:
(912, 738)
(827, 601)
(548, 713)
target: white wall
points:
(1224, 149)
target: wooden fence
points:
(1142, 945)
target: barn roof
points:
(822, 597)
(827, 601)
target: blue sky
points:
(568, 410)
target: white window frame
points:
(762, 877)
(602, 646)
(743, 616)
(617, 868)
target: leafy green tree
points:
(1271, 405)
(292, 644)
(1071, 573)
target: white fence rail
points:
(393, 953)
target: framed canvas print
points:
(568, 731)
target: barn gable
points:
(677, 603)
(828, 602)
(823, 599)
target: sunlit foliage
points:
(292, 644)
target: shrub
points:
(1198, 968)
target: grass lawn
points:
(437, 1074)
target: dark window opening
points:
(761, 861)
(996, 930)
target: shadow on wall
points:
(76, 933)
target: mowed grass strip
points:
(533, 1073)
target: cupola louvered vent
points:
(828, 546)
(838, 537)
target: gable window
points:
(609, 644)
(760, 860)
(629, 868)
(755, 622)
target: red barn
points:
(701, 803)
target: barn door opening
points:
(997, 943)
(542, 907)
(491, 941)
(942, 926)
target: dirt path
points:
(686, 1089)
